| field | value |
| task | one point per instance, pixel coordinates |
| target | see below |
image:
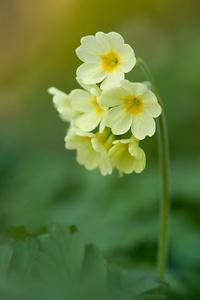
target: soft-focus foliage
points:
(56, 264)
(41, 182)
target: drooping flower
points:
(92, 149)
(127, 156)
(62, 103)
(132, 106)
(106, 58)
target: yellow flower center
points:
(110, 61)
(133, 104)
(99, 110)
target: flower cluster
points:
(108, 115)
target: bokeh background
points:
(41, 183)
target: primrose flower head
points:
(106, 58)
(108, 115)
(132, 106)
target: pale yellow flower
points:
(62, 103)
(132, 106)
(106, 58)
(92, 149)
(85, 102)
(127, 156)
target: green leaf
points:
(21, 232)
(5, 256)
(58, 265)
(60, 260)
(126, 285)
(67, 265)
(94, 273)
(22, 262)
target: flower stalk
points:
(164, 168)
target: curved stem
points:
(164, 166)
(165, 203)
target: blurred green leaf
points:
(23, 258)
(5, 256)
(21, 233)
(125, 285)
(58, 265)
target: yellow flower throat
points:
(133, 104)
(110, 61)
(98, 109)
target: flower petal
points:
(154, 110)
(112, 97)
(81, 100)
(142, 126)
(62, 103)
(113, 79)
(104, 163)
(133, 88)
(88, 121)
(113, 40)
(90, 73)
(127, 58)
(151, 105)
(103, 40)
(92, 88)
(90, 49)
(118, 120)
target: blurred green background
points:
(40, 182)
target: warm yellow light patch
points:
(133, 104)
(110, 61)
(99, 110)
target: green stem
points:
(164, 166)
